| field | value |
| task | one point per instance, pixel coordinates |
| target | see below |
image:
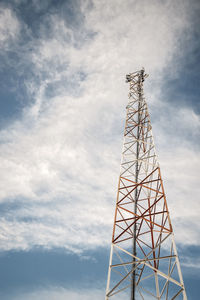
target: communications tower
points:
(144, 262)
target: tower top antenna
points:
(135, 76)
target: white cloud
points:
(61, 160)
(54, 293)
(9, 27)
(177, 137)
(191, 264)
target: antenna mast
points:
(144, 262)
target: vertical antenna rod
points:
(143, 262)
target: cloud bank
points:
(61, 294)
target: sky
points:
(62, 116)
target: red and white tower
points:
(144, 262)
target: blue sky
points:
(63, 98)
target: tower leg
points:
(109, 272)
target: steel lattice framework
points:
(143, 261)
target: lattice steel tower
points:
(143, 260)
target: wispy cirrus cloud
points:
(60, 159)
